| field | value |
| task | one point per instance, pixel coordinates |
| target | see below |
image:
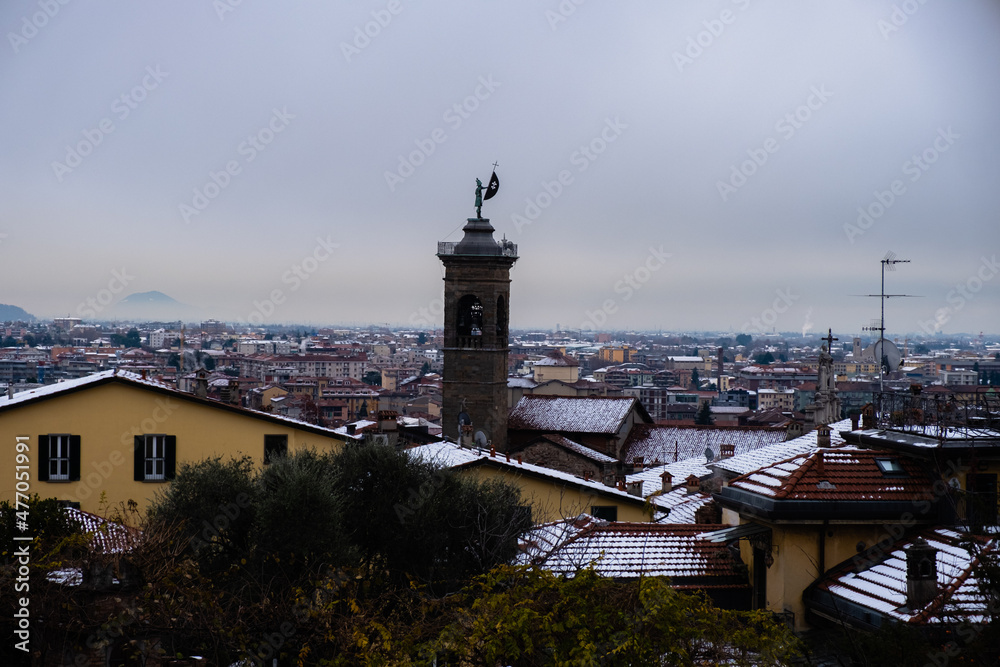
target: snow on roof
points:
(754, 459)
(136, 379)
(577, 448)
(106, 536)
(679, 470)
(682, 505)
(575, 414)
(628, 550)
(882, 586)
(67, 385)
(451, 455)
(521, 382)
(657, 443)
(845, 473)
(539, 542)
(556, 358)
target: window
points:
(274, 445)
(155, 457)
(59, 458)
(891, 467)
(470, 316)
(604, 512)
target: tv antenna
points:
(888, 262)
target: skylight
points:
(891, 467)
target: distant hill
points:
(14, 314)
(152, 306)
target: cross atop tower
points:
(829, 340)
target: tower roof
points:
(478, 241)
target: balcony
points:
(498, 249)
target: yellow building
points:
(552, 494)
(616, 354)
(798, 518)
(556, 366)
(122, 436)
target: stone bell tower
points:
(476, 312)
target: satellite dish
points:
(481, 441)
(464, 419)
(709, 454)
(888, 353)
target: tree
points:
(704, 416)
(744, 340)
(421, 338)
(695, 379)
(426, 368)
(373, 378)
(132, 338)
(9, 341)
(764, 358)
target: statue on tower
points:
(491, 190)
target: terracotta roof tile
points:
(843, 473)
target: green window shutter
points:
(170, 457)
(43, 458)
(140, 458)
(74, 458)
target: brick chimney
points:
(691, 484)
(820, 464)
(855, 421)
(823, 435)
(921, 574)
(638, 463)
(667, 481)
(727, 450)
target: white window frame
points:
(155, 459)
(59, 457)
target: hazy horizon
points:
(675, 167)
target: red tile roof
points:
(880, 586)
(628, 550)
(843, 473)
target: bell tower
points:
(476, 316)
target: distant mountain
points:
(152, 306)
(14, 314)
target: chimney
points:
(727, 450)
(635, 488)
(855, 421)
(823, 435)
(691, 484)
(201, 386)
(637, 462)
(720, 360)
(587, 474)
(921, 574)
(868, 417)
(351, 428)
(667, 482)
(820, 464)
(493, 450)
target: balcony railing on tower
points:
(503, 249)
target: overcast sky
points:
(715, 153)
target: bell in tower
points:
(476, 316)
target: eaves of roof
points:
(772, 509)
(174, 393)
(591, 487)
